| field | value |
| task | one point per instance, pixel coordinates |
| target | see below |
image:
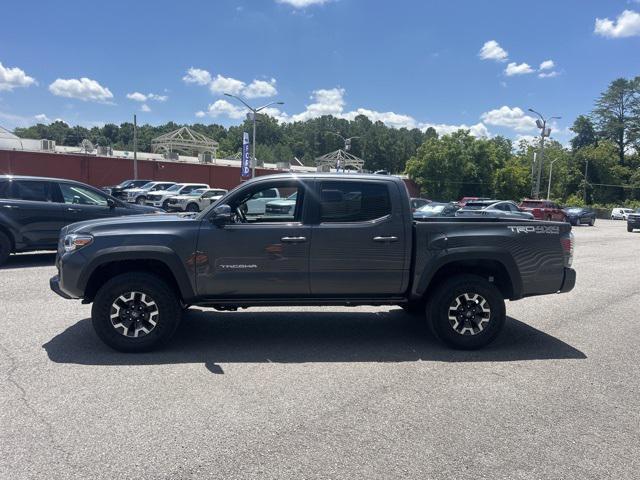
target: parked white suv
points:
(161, 198)
(620, 213)
(195, 201)
(139, 195)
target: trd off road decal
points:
(551, 230)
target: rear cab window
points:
(348, 202)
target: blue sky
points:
(407, 63)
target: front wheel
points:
(193, 207)
(135, 312)
(592, 222)
(466, 312)
(629, 228)
(141, 200)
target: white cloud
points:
(391, 119)
(548, 74)
(547, 65)
(145, 108)
(626, 25)
(492, 50)
(137, 97)
(302, 3)
(518, 69)
(197, 76)
(509, 117)
(223, 108)
(83, 89)
(260, 88)
(230, 85)
(141, 97)
(14, 77)
(42, 118)
(325, 102)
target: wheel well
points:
(492, 270)
(12, 240)
(110, 269)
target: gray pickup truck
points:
(350, 240)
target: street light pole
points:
(254, 112)
(544, 132)
(135, 148)
(550, 172)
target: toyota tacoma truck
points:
(349, 240)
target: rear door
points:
(359, 243)
(37, 218)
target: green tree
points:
(585, 133)
(617, 114)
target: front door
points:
(83, 203)
(257, 254)
(359, 244)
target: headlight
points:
(74, 242)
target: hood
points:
(142, 209)
(126, 222)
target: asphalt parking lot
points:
(331, 392)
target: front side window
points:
(78, 195)
(267, 204)
(353, 201)
(36, 191)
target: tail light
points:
(567, 243)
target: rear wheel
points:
(5, 248)
(135, 312)
(548, 218)
(193, 207)
(592, 222)
(466, 312)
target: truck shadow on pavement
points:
(215, 338)
(29, 260)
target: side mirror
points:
(111, 202)
(221, 215)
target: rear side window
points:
(353, 201)
(5, 189)
(36, 191)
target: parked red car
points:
(543, 210)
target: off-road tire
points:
(169, 312)
(441, 300)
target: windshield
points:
(148, 185)
(175, 188)
(126, 183)
(432, 208)
(574, 209)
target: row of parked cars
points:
(475, 207)
(169, 196)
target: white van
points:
(620, 213)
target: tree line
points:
(601, 165)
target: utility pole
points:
(253, 116)
(586, 172)
(544, 132)
(550, 172)
(135, 147)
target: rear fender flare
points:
(450, 256)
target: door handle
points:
(15, 207)
(385, 239)
(293, 239)
(73, 209)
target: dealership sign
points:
(245, 165)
